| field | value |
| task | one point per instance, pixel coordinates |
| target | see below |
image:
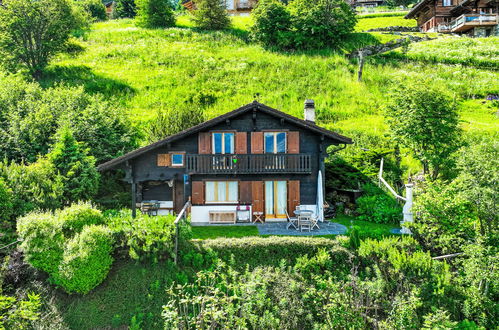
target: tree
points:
(80, 177)
(125, 9)
(272, 24)
(154, 14)
(303, 24)
(96, 9)
(33, 31)
(425, 120)
(211, 15)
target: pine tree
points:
(211, 15)
(80, 176)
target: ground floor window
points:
(221, 192)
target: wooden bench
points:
(222, 216)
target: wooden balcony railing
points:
(248, 163)
(468, 21)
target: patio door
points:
(276, 196)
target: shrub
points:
(6, 197)
(19, 314)
(154, 14)
(377, 206)
(96, 9)
(74, 218)
(211, 15)
(256, 251)
(86, 260)
(42, 240)
(272, 24)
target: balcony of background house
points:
(248, 163)
(468, 21)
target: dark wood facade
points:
(476, 18)
(151, 170)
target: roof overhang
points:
(415, 10)
(254, 106)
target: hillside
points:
(155, 70)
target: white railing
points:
(473, 18)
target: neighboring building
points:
(255, 157)
(236, 7)
(110, 6)
(366, 3)
(476, 18)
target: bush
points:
(42, 241)
(6, 197)
(86, 260)
(74, 218)
(303, 24)
(256, 251)
(154, 14)
(211, 15)
(125, 9)
(95, 9)
(377, 206)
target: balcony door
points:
(223, 148)
(276, 196)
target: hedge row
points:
(268, 251)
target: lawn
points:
(367, 23)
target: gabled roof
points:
(340, 139)
(417, 7)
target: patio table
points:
(300, 213)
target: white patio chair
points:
(305, 222)
(292, 221)
(315, 222)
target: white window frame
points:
(446, 3)
(217, 201)
(223, 142)
(183, 159)
(275, 142)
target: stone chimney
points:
(309, 112)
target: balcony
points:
(469, 21)
(249, 164)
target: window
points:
(221, 192)
(275, 142)
(178, 159)
(446, 3)
(223, 143)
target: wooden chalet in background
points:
(254, 158)
(479, 18)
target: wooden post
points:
(134, 199)
(361, 66)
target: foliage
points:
(149, 238)
(6, 198)
(444, 220)
(170, 122)
(425, 120)
(377, 206)
(42, 241)
(154, 14)
(35, 186)
(479, 180)
(303, 24)
(30, 117)
(256, 251)
(80, 176)
(51, 21)
(320, 23)
(208, 232)
(86, 260)
(125, 9)
(75, 217)
(95, 9)
(211, 15)
(18, 314)
(272, 24)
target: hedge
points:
(259, 251)
(77, 216)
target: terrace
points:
(469, 21)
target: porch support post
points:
(134, 199)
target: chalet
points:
(479, 18)
(255, 159)
(234, 7)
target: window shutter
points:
(257, 142)
(257, 195)
(197, 192)
(204, 143)
(245, 192)
(241, 143)
(293, 195)
(164, 160)
(293, 142)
